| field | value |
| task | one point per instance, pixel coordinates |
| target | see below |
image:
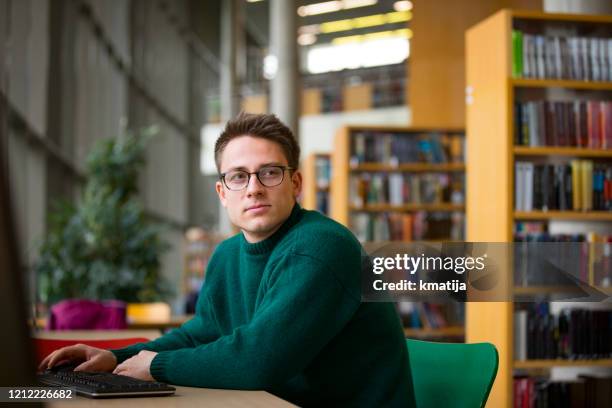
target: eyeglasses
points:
(269, 176)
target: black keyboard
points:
(103, 385)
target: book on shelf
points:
(571, 334)
(322, 204)
(586, 124)
(431, 316)
(586, 391)
(396, 188)
(398, 148)
(416, 226)
(581, 185)
(580, 58)
(586, 257)
(323, 171)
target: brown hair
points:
(265, 126)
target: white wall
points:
(317, 131)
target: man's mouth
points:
(257, 206)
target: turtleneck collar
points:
(268, 244)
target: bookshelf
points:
(446, 332)
(399, 161)
(491, 95)
(199, 246)
(349, 162)
(317, 174)
(547, 364)
(559, 83)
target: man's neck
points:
(253, 238)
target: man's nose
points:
(254, 186)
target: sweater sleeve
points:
(201, 329)
(304, 308)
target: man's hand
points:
(138, 366)
(95, 359)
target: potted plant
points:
(105, 246)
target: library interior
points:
(428, 128)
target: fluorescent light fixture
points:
(401, 33)
(351, 4)
(365, 21)
(334, 26)
(403, 5)
(253, 1)
(369, 21)
(332, 6)
(270, 66)
(306, 39)
(367, 53)
(398, 16)
(309, 29)
(319, 8)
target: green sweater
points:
(284, 315)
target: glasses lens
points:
(236, 180)
(271, 176)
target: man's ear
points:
(221, 193)
(296, 180)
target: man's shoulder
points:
(228, 246)
(317, 235)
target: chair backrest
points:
(45, 346)
(452, 374)
(85, 314)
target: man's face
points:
(257, 210)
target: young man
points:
(280, 310)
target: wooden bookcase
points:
(312, 185)
(491, 94)
(341, 207)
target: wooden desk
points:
(184, 397)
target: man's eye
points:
(269, 172)
(237, 177)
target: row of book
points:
(323, 171)
(428, 315)
(322, 204)
(418, 226)
(561, 57)
(569, 123)
(541, 258)
(397, 148)
(587, 391)
(571, 334)
(403, 188)
(581, 185)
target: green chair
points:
(452, 374)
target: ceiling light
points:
(398, 16)
(350, 4)
(365, 21)
(319, 8)
(402, 5)
(338, 25)
(401, 33)
(270, 66)
(332, 6)
(369, 21)
(309, 29)
(306, 39)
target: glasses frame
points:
(256, 173)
